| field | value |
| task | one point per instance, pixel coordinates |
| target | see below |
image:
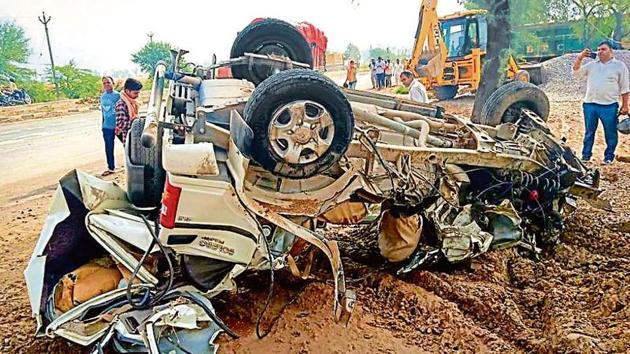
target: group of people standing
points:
(118, 111)
(382, 71)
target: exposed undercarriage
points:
(224, 178)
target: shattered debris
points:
(248, 185)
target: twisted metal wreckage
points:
(248, 175)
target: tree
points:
(522, 12)
(352, 52)
(589, 12)
(526, 12)
(386, 53)
(39, 91)
(75, 82)
(618, 10)
(380, 52)
(14, 50)
(560, 10)
(149, 55)
(495, 62)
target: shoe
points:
(107, 173)
(608, 162)
(586, 160)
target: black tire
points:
(446, 92)
(505, 104)
(266, 37)
(284, 88)
(151, 159)
(536, 75)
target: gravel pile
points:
(558, 80)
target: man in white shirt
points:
(607, 79)
(417, 91)
(373, 73)
(380, 73)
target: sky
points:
(101, 35)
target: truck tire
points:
(505, 104)
(151, 159)
(269, 36)
(445, 92)
(302, 123)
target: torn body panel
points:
(439, 187)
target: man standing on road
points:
(351, 75)
(373, 73)
(389, 69)
(109, 98)
(380, 73)
(417, 91)
(606, 80)
(127, 108)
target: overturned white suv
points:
(224, 177)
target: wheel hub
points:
(302, 135)
(300, 132)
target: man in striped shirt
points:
(127, 108)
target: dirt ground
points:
(575, 299)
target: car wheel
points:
(268, 36)
(151, 159)
(505, 104)
(302, 123)
(446, 92)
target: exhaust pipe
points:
(150, 131)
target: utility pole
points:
(150, 35)
(45, 21)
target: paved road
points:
(363, 79)
(46, 149)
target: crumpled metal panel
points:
(462, 238)
(64, 230)
(506, 225)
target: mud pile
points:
(575, 299)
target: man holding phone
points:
(606, 79)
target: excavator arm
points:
(429, 50)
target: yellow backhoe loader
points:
(448, 51)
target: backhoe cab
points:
(448, 51)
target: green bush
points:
(78, 83)
(39, 91)
(401, 90)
